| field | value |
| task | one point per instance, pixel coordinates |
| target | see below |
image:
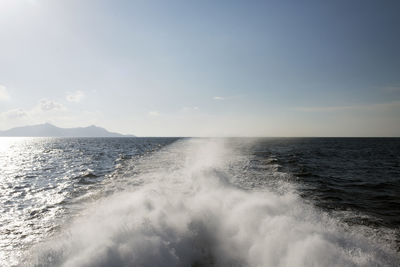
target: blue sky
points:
(202, 68)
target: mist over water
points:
(204, 202)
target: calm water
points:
(199, 202)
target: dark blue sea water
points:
(199, 202)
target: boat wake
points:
(190, 209)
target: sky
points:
(202, 68)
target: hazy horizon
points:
(150, 136)
(207, 68)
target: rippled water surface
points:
(199, 202)
(43, 180)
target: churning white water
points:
(192, 208)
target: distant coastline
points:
(50, 130)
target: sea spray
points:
(190, 211)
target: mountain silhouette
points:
(49, 130)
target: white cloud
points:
(392, 88)
(76, 96)
(375, 106)
(326, 109)
(45, 109)
(4, 96)
(15, 113)
(49, 105)
(227, 97)
(186, 109)
(154, 113)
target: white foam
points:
(188, 213)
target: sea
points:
(199, 202)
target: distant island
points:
(49, 130)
